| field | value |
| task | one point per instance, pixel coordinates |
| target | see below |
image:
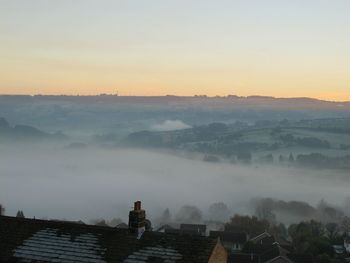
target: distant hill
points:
(107, 114)
(25, 132)
(265, 141)
(197, 101)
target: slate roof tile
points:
(29, 240)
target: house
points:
(256, 254)
(122, 226)
(262, 248)
(32, 240)
(301, 258)
(264, 238)
(232, 241)
(347, 244)
(279, 259)
(196, 229)
(243, 258)
(165, 227)
(184, 229)
(285, 244)
(250, 258)
(339, 250)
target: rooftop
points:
(235, 237)
(28, 240)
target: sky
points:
(281, 48)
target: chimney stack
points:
(137, 220)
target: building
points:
(279, 259)
(263, 239)
(261, 249)
(232, 241)
(196, 229)
(31, 240)
(185, 229)
(165, 227)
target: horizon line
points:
(172, 95)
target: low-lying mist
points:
(49, 181)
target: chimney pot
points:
(137, 205)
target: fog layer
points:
(92, 183)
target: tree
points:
(267, 158)
(288, 138)
(264, 210)
(328, 213)
(278, 230)
(114, 222)
(2, 210)
(276, 130)
(309, 237)
(345, 224)
(189, 214)
(251, 225)
(4, 123)
(324, 258)
(317, 228)
(101, 223)
(244, 156)
(20, 214)
(320, 246)
(333, 231)
(281, 158)
(219, 211)
(217, 127)
(165, 217)
(291, 158)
